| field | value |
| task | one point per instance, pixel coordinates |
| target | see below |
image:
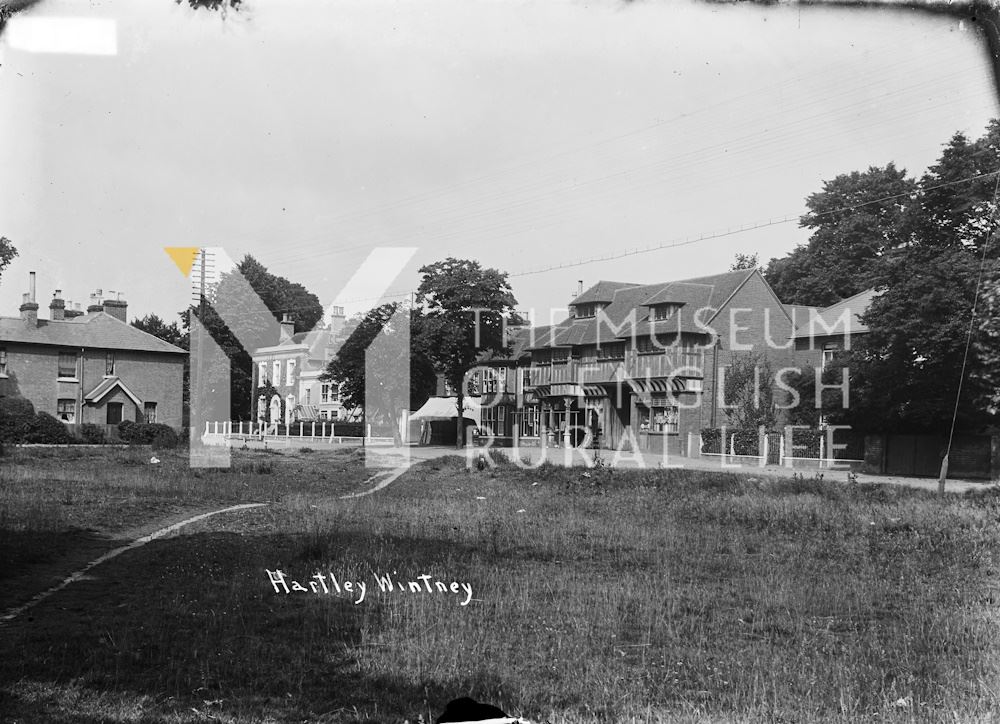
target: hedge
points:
(147, 433)
(16, 417)
(305, 429)
(806, 442)
(47, 430)
(744, 442)
(93, 434)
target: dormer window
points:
(588, 310)
(663, 311)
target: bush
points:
(16, 417)
(93, 434)
(743, 442)
(164, 436)
(147, 433)
(47, 430)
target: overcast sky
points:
(523, 135)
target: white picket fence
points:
(226, 432)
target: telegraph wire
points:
(687, 241)
(968, 338)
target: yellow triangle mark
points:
(183, 257)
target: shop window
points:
(659, 418)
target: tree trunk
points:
(460, 419)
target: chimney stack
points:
(287, 327)
(95, 302)
(579, 287)
(116, 307)
(73, 311)
(57, 307)
(337, 321)
(29, 307)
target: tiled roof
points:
(521, 340)
(603, 291)
(828, 320)
(800, 312)
(614, 322)
(98, 330)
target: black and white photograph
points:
(552, 362)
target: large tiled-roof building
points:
(640, 362)
(90, 367)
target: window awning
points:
(570, 389)
(660, 384)
(306, 412)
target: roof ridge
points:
(847, 299)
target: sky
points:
(529, 136)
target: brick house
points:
(90, 368)
(638, 364)
(293, 367)
(825, 332)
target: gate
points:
(921, 455)
(774, 441)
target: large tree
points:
(855, 220)
(279, 295)
(347, 367)
(170, 333)
(465, 308)
(911, 368)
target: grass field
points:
(596, 596)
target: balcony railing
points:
(689, 363)
(635, 365)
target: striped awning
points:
(659, 384)
(306, 412)
(570, 389)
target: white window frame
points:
(72, 411)
(59, 363)
(290, 371)
(276, 372)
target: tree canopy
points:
(907, 371)
(465, 308)
(855, 220)
(347, 367)
(279, 296)
(171, 333)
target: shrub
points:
(147, 433)
(47, 430)
(16, 416)
(93, 434)
(742, 442)
(164, 436)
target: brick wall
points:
(151, 376)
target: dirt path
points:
(81, 561)
(160, 532)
